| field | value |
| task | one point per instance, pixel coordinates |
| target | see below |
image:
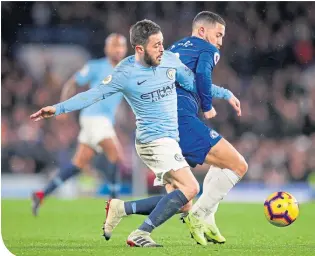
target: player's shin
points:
(165, 209)
(210, 174)
(114, 180)
(219, 184)
(142, 206)
(63, 175)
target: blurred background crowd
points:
(267, 61)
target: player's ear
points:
(139, 49)
(201, 31)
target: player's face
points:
(116, 48)
(214, 34)
(154, 49)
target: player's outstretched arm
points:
(81, 100)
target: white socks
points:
(217, 183)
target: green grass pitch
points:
(73, 227)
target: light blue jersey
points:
(150, 91)
(93, 73)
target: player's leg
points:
(82, 157)
(225, 156)
(113, 152)
(167, 153)
(229, 167)
(185, 209)
(165, 159)
(116, 209)
(142, 206)
(196, 148)
(211, 231)
(104, 139)
(187, 188)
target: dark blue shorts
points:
(196, 139)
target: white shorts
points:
(161, 156)
(94, 129)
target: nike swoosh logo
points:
(141, 82)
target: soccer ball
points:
(281, 209)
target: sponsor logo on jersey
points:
(159, 93)
(107, 79)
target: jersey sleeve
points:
(220, 92)
(206, 62)
(184, 76)
(84, 75)
(110, 85)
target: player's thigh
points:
(83, 155)
(164, 157)
(111, 148)
(224, 155)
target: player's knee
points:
(191, 190)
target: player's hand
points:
(46, 112)
(210, 114)
(235, 103)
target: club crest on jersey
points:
(107, 79)
(216, 58)
(171, 73)
(213, 134)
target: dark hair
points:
(141, 31)
(209, 17)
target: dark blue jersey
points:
(201, 57)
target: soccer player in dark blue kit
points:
(199, 143)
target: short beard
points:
(148, 60)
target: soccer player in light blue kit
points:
(97, 132)
(198, 142)
(147, 81)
